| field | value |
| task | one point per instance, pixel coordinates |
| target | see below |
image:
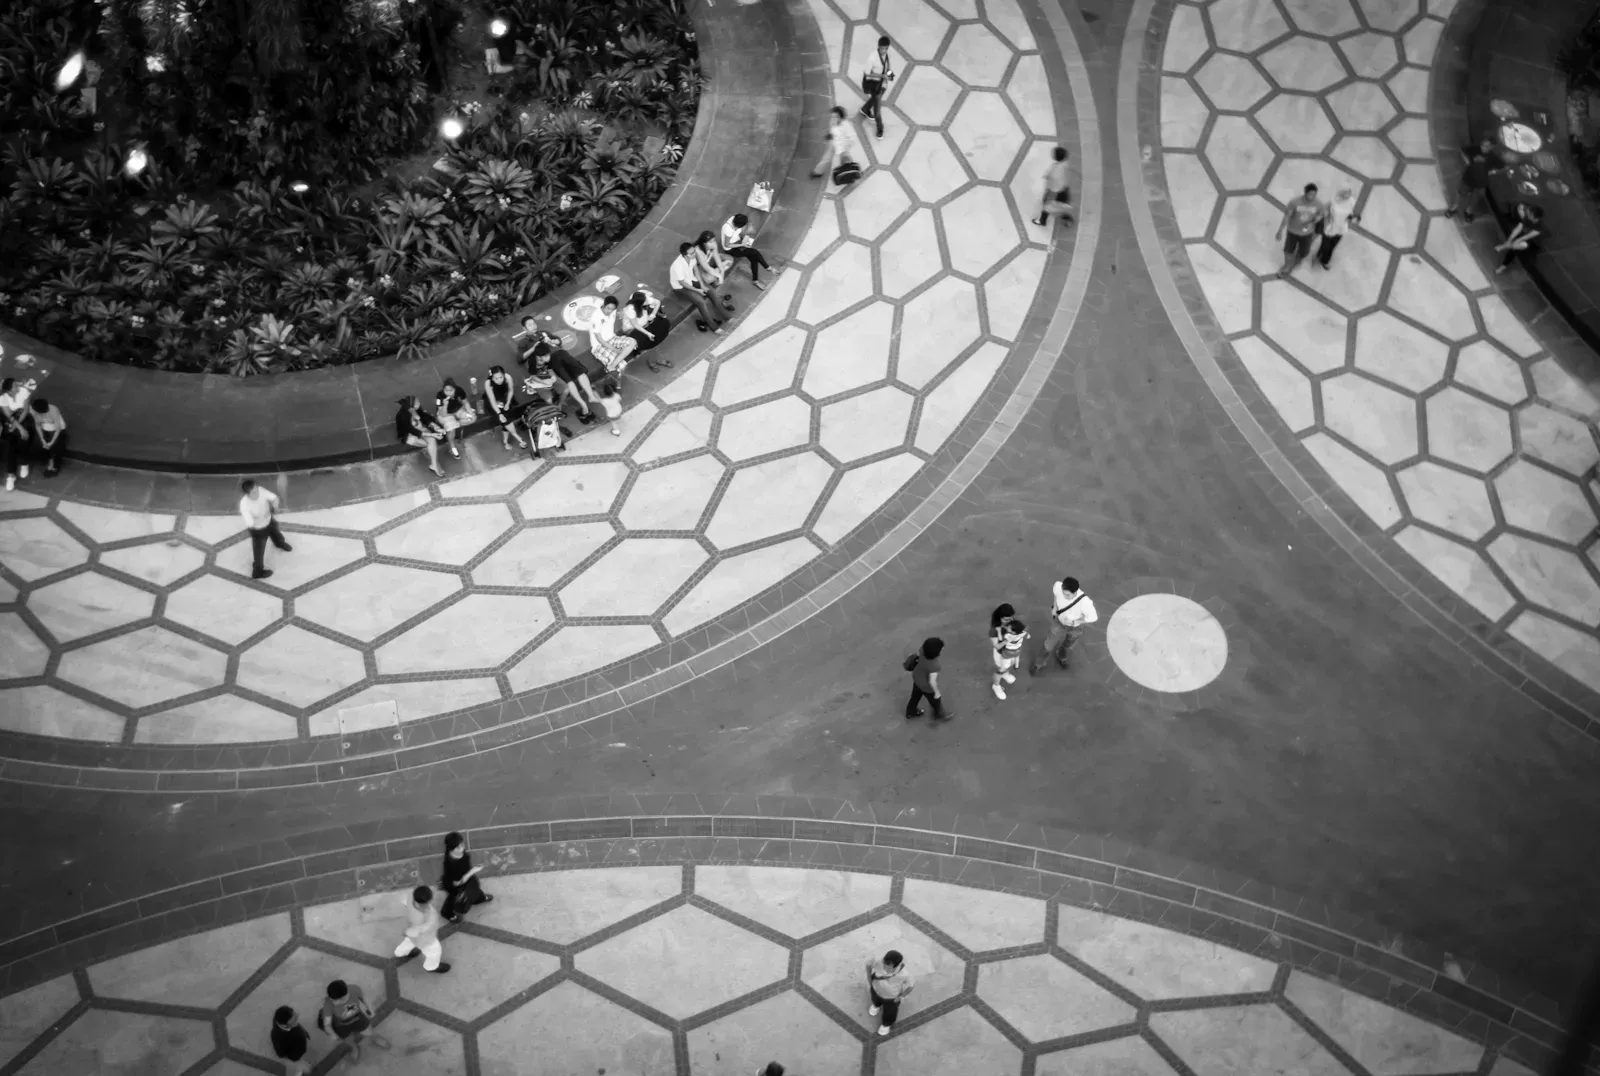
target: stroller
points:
(545, 435)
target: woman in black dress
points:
(500, 395)
(643, 320)
(460, 879)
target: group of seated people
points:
(621, 332)
(32, 430)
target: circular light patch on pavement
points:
(1167, 643)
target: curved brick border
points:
(987, 853)
(632, 685)
(1292, 479)
(767, 89)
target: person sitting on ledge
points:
(48, 433)
(610, 348)
(454, 411)
(570, 378)
(1527, 230)
(643, 320)
(419, 429)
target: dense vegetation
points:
(274, 226)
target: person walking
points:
(1300, 220)
(889, 984)
(875, 83)
(842, 148)
(259, 510)
(1057, 200)
(460, 879)
(422, 932)
(47, 432)
(1341, 217)
(686, 285)
(290, 1041)
(1006, 636)
(924, 669)
(345, 1010)
(738, 241)
(1070, 610)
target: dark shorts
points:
(566, 367)
(1298, 245)
(354, 1027)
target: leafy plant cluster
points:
(157, 270)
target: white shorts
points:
(1006, 660)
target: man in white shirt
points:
(686, 285)
(13, 428)
(1057, 201)
(842, 144)
(1070, 610)
(259, 510)
(737, 242)
(422, 932)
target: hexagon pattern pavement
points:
(742, 964)
(820, 405)
(1400, 369)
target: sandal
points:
(655, 367)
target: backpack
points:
(910, 662)
(846, 173)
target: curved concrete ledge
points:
(1067, 870)
(767, 96)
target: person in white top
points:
(1342, 216)
(422, 932)
(685, 281)
(259, 510)
(875, 83)
(1057, 201)
(610, 347)
(738, 242)
(1070, 610)
(842, 144)
(13, 431)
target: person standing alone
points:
(924, 669)
(259, 509)
(888, 983)
(1070, 610)
(875, 83)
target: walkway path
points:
(1400, 371)
(717, 969)
(840, 393)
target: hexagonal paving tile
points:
(1465, 430)
(1245, 25)
(565, 906)
(962, 1040)
(1574, 652)
(144, 667)
(1361, 106)
(1363, 481)
(1361, 267)
(35, 548)
(22, 653)
(571, 1029)
(1388, 14)
(1555, 386)
(907, 259)
(976, 56)
(1410, 87)
(1194, 196)
(1296, 123)
(104, 1041)
(1127, 1056)
(784, 1026)
(1421, 41)
(1231, 83)
(1381, 1038)
(1329, 17)
(796, 901)
(1245, 229)
(1304, 63)
(986, 234)
(298, 667)
(770, 427)
(875, 203)
(481, 631)
(979, 920)
(498, 972)
(1207, 1039)
(1559, 440)
(1389, 215)
(853, 352)
(1366, 155)
(1371, 417)
(935, 327)
(1007, 17)
(1548, 504)
(987, 135)
(1422, 293)
(835, 968)
(375, 598)
(1237, 153)
(447, 534)
(1183, 114)
(1284, 385)
(917, 29)
(672, 498)
(768, 499)
(87, 604)
(633, 579)
(1447, 499)
(107, 525)
(573, 490)
(579, 649)
(1045, 999)
(540, 556)
(684, 962)
(198, 969)
(840, 282)
(1483, 366)
(1548, 575)
(1303, 326)
(32, 1010)
(926, 95)
(760, 369)
(866, 424)
(1158, 963)
(1399, 353)
(1029, 92)
(1410, 136)
(161, 563)
(1461, 569)
(314, 556)
(1370, 55)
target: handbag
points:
(910, 662)
(871, 84)
(846, 173)
(760, 197)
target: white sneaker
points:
(999, 692)
(22, 469)
(1008, 678)
(883, 1031)
(873, 1010)
(11, 481)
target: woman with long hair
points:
(643, 320)
(500, 396)
(460, 879)
(454, 412)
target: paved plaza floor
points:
(716, 970)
